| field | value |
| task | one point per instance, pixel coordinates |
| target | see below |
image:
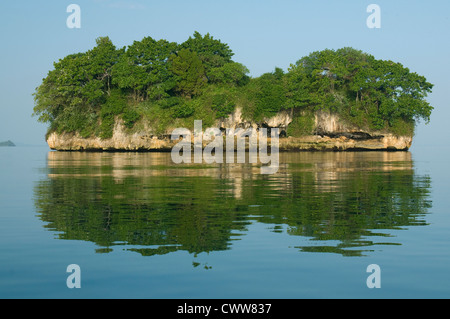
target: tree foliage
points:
(213, 53)
(88, 92)
(355, 84)
(143, 69)
(189, 72)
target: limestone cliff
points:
(331, 134)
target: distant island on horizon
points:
(7, 143)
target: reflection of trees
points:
(155, 213)
(144, 201)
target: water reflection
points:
(343, 203)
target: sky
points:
(263, 34)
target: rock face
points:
(332, 134)
(119, 141)
(342, 143)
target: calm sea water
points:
(140, 226)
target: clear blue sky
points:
(263, 34)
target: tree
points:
(68, 94)
(232, 73)
(213, 53)
(102, 59)
(270, 93)
(189, 71)
(143, 69)
(354, 83)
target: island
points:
(7, 143)
(132, 98)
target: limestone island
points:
(132, 98)
(7, 143)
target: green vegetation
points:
(163, 84)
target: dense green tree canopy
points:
(143, 69)
(159, 81)
(355, 84)
(213, 53)
(189, 72)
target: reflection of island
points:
(7, 143)
(155, 207)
